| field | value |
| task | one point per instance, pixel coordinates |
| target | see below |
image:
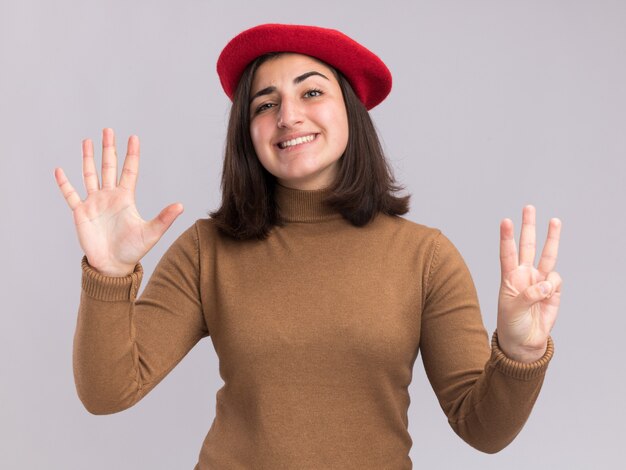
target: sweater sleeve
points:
(124, 346)
(486, 396)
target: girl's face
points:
(298, 120)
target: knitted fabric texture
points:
(316, 330)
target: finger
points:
(69, 193)
(90, 177)
(508, 251)
(128, 179)
(547, 262)
(527, 237)
(109, 159)
(534, 293)
(159, 225)
(555, 280)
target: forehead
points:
(288, 65)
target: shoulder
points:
(406, 228)
(207, 231)
(206, 227)
(432, 241)
(209, 234)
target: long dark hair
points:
(363, 185)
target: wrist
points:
(525, 357)
(113, 271)
(520, 354)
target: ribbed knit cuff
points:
(110, 288)
(517, 369)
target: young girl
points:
(316, 293)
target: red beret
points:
(368, 75)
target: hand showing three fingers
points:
(526, 313)
(110, 231)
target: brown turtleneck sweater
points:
(316, 329)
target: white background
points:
(495, 104)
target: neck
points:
(303, 205)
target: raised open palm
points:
(529, 297)
(110, 231)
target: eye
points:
(314, 92)
(263, 107)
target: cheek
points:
(258, 135)
(260, 142)
(339, 119)
(254, 133)
(344, 129)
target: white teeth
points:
(299, 140)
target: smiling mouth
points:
(288, 144)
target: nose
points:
(290, 113)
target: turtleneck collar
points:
(302, 205)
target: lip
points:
(295, 136)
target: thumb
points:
(159, 225)
(535, 293)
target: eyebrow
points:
(299, 79)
